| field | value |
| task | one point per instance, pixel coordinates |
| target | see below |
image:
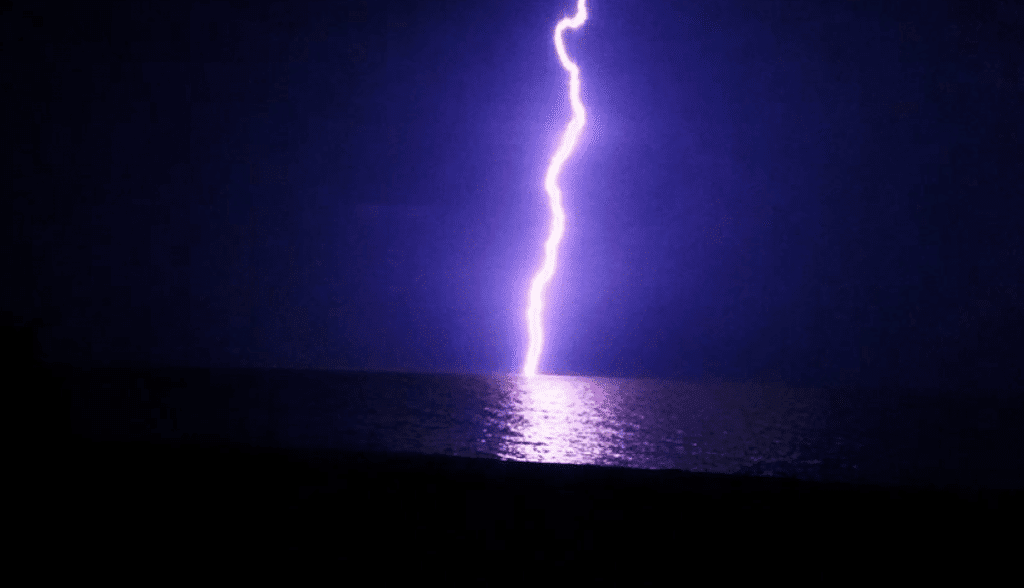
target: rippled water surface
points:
(709, 426)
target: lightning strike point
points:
(569, 138)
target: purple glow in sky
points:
(816, 193)
(569, 138)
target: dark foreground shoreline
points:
(178, 498)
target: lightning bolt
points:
(569, 138)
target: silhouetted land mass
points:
(313, 503)
(23, 349)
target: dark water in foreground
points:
(871, 437)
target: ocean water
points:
(763, 429)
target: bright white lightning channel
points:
(569, 138)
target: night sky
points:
(823, 192)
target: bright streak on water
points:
(562, 419)
(569, 138)
(752, 428)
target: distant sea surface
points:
(762, 429)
